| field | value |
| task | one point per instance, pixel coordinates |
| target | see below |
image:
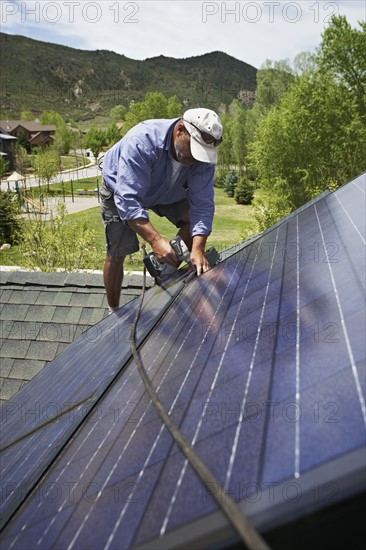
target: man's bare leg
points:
(185, 231)
(113, 277)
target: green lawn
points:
(231, 221)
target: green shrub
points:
(10, 228)
(244, 192)
(271, 210)
(48, 245)
(219, 177)
(231, 180)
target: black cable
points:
(45, 422)
(250, 537)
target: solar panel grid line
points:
(344, 327)
(266, 421)
(159, 434)
(251, 366)
(359, 186)
(123, 450)
(348, 241)
(352, 222)
(13, 498)
(222, 358)
(297, 368)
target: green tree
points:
(244, 192)
(3, 165)
(231, 180)
(48, 245)
(26, 115)
(64, 136)
(342, 55)
(112, 135)
(274, 79)
(238, 134)
(313, 139)
(46, 165)
(117, 114)
(95, 140)
(22, 159)
(174, 107)
(10, 227)
(155, 105)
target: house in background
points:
(7, 149)
(29, 134)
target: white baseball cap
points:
(205, 129)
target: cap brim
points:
(202, 153)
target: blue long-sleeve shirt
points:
(139, 170)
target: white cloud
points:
(250, 31)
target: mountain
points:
(81, 84)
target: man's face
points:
(182, 148)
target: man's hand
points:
(197, 254)
(160, 245)
(164, 252)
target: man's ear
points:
(181, 128)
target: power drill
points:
(158, 269)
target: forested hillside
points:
(80, 84)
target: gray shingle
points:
(14, 313)
(57, 332)
(85, 279)
(62, 298)
(5, 366)
(86, 299)
(43, 351)
(4, 277)
(91, 316)
(25, 369)
(20, 330)
(4, 295)
(24, 296)
(17, 349)
(46, 298)
(43, 314)
(66, 315)
(34, 277)
(9, 387)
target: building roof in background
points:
(42, 313)
(10, 125)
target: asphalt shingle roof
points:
(42, 313)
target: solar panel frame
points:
(274, 270)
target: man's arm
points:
(160, 245)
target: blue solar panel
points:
(261, 362)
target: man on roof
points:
(167, 166)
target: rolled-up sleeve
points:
(133, 179)
(201, 199)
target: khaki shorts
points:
(121, 240)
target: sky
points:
(251, 31)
